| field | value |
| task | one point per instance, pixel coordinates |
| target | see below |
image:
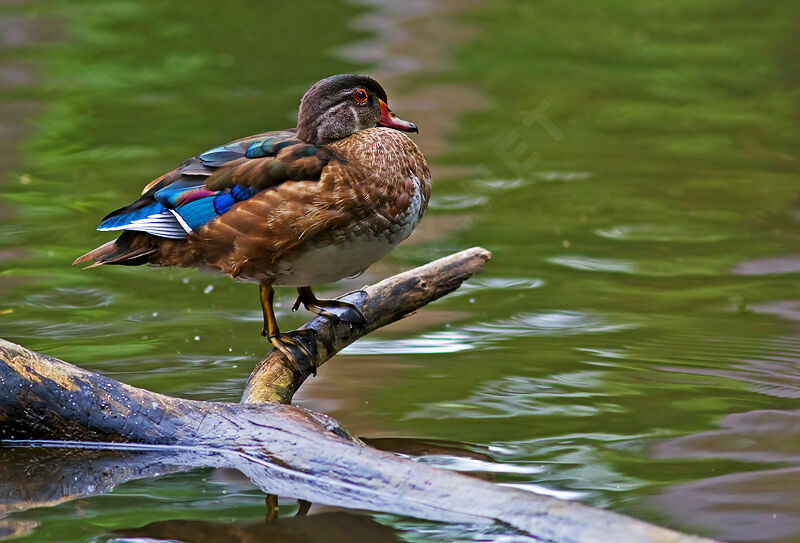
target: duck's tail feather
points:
(132, 248)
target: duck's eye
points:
(360, 96)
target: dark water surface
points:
(633, 166)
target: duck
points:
(297, 207)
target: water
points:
(633, 168)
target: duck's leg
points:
(272, 507)
(283, 342)
(306, 297)
(303, 508)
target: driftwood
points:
(283, 449)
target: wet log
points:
(283, 449)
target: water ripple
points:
(434, 343)
(519, 396)
(497, 283)
(498, 185)
(768, 365)
(555, 175)
(70, 298)
(768, 266)
(658, 232)
(471, 336)
(545, 491)
(579, 262)
(457, 201)
(475, 465)
(702, 265)
(546, 323)
(69, 330)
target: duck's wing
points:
(203, 188)
(206, 186)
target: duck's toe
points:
(299, 349)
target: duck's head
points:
(341, 105)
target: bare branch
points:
(274, 380)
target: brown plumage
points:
(294, 207)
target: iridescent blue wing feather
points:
(205, 187)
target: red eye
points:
(360, 96)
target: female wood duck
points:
(311, 204)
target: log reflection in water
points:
(14, 528)
(334, 527)
(45, 476)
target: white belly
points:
(329, 263)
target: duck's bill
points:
(391, 120)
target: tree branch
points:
(274, 380)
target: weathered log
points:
(283, 449)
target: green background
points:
(633, 167)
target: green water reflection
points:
(631, 165)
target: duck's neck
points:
(338, 123)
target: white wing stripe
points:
(180, 221)
(162, 224)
